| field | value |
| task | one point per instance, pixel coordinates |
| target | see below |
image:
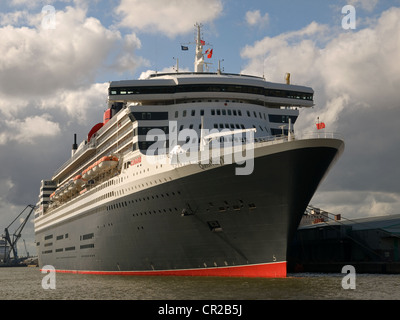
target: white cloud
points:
(358, 204)
(27, 130)
(14, 18)
(126, 60)
(172, 17)
(147, 73)
(78, 103)
(254, 18)
(37, 61)
(283, 43)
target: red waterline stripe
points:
(266, 270)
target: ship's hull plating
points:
(211, 223)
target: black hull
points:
(212, 220)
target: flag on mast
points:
(209, 53)
(320, 125)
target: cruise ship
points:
(189, 173)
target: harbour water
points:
(26, 284)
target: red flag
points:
(320, 125)
(203, 42)
(210, 54)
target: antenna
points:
(219, 66)
(177, 64)
(199, 58)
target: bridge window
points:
(150, 115)
(275, 118)
(212, 88)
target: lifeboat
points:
(104, 164)
(70, 185)
(67, 187)
(107, 163)
(78, 181)
(57, 194)
(87, 173)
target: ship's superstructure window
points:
(277, 118)
(150, 115)
(86, 246)
(201, 87)
(145, 130)
(87, 236)
(278, 132)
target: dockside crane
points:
(13, 239)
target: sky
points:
(56, 62)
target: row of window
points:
(186, 88)
(149, 115)
(84, 246)
(219, 112)
(226, 206)
(123, 204)
(275, 118)
(64, 236)
(272, 118)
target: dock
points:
(325, 243)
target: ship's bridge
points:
(172, 88)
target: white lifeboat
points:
(78, 181)
(57, 194)
(100, 166)
(107, 163)
(87, 173)
(70, 185)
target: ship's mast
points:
(199, 58)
